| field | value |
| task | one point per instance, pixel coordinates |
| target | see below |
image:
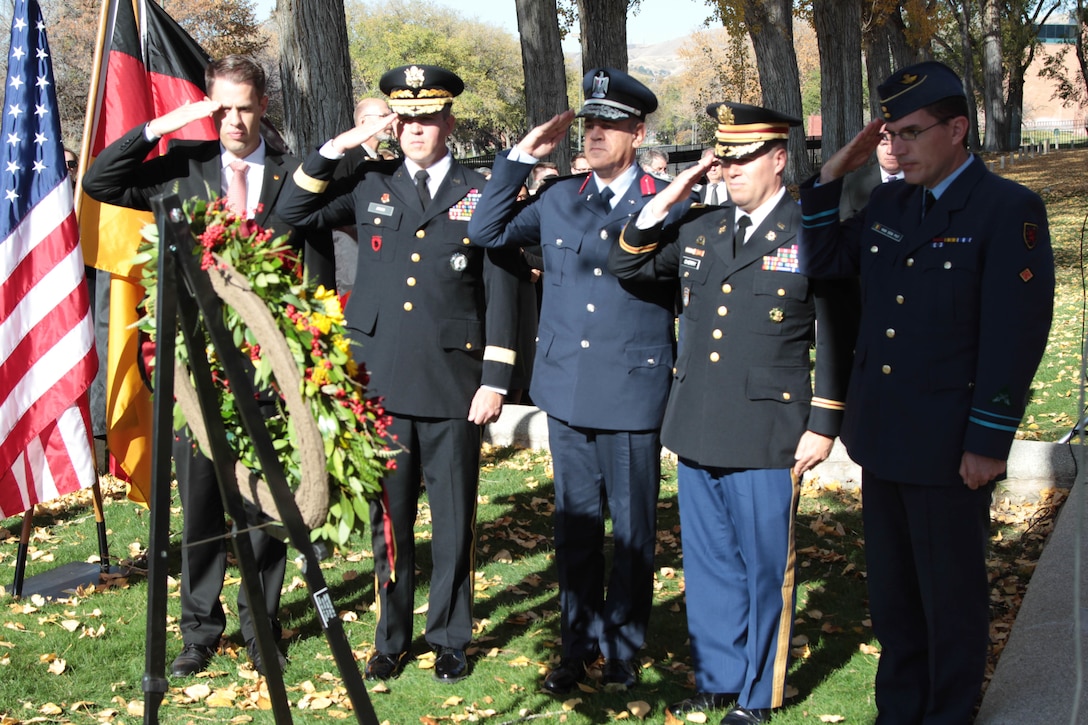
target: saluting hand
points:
(543, 139)
(679, 190)
(182, 116)
(854, 154)
(354, 136)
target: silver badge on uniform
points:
(458, 262)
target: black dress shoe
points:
(193, 658)
(619, 673)
(568, 673)
(702, 701)
(744, 716)
(450, 665)
(382, 666)
(255, 657)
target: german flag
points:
(145, 65)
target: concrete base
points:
(1036, 677)
(1033, 466)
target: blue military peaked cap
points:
(612, 95)
(917, 86)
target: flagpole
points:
(94, 102)
(100, 525)
(20, 556)
(90, 127)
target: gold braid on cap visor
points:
(735, 142)
(406, 102)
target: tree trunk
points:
(315, 70)
(838, 35)
(770, 26)
(876, 46)
(1081, 20)
(903, 54)
(962, 13)
(993, 91)
(604, 33)
(542, 62)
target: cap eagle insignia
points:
(413, 77)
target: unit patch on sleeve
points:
(1031, 235)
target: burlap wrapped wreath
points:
(331, 438)
(312, 494)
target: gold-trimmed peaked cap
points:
(419, 90)
(611, 94)
(915, 87)
(744, 130)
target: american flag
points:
(47, 356)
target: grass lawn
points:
(80, 660)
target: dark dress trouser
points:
(445, 453)
(203, 560)
(925, 549)
(592, 467)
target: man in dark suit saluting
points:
(250, 174)
(742, 414)
(435, 321)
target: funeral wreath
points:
(358, 447)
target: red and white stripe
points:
(47, 358)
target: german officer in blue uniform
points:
(957, 280)
(435, 321)
(603, 361)
(742, 415)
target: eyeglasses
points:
(72, 164)
(908, 134)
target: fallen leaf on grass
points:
(868, 649)
(832, 718)
(639, 708)
(197, 692)
(572, 703)
(57, 665)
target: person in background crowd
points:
(656, 162)
(858, 184)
